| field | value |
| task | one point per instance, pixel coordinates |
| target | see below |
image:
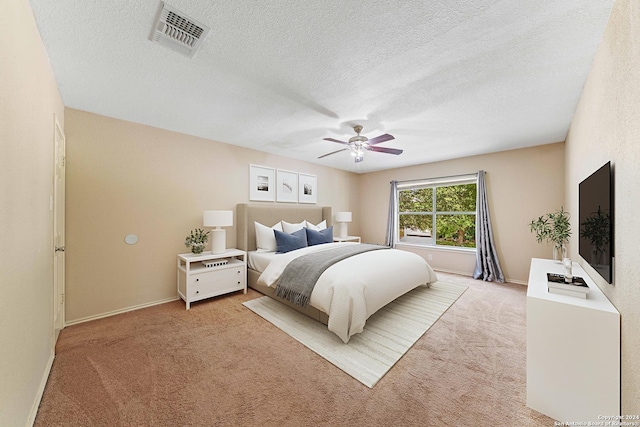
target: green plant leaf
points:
(554, 227)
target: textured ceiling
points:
(447, 78)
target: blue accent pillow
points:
(290, 242)
(319, 237)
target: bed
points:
(347, 293)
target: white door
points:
(58, 230)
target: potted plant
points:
(197, 240)
(553, 227)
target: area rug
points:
(388, 334)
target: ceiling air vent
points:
(176, 31)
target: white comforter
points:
(353, 289)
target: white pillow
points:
(321, 226)
(266, 238)
(292, 228)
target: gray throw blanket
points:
(300, 276)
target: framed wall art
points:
(287, 186)
(262, 183)
(307, 188)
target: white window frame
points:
(434, 183)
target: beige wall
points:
(521, 184)
(127, 178)
(606, 127)
(28, 103)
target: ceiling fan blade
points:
(381, 138)
(334, 152)
(335, 140)
(385, 150)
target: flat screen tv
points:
(595, 204)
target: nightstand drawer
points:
(212, 283)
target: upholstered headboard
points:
(268, 215)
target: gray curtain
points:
(487, 263)
(392, 222)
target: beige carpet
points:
(220, 364)
(388, 334)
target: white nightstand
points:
(347, 239)
(197, 282)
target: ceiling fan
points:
(359, 144)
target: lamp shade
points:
(343, 216)
(217, 218)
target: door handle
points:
(59, 248)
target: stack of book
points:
(215, 262)
(575, 288)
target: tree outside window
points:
(441, 215)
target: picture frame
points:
(307, 188)
(262, 183)
(286, 186)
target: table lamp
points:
(343, 218)
(218, 219)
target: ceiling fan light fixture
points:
(358, 144)
(357, 152)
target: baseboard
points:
(40, 393)
(123, 310)
(464, 273)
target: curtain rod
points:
(439, 177)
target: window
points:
(438, 212)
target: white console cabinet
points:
(197, 282)
(573, 349)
